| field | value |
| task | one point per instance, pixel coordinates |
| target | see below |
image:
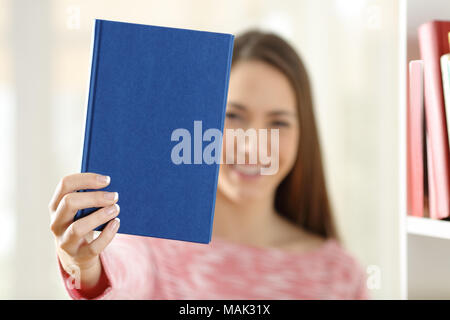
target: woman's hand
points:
(77, 252)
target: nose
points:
(250, 147)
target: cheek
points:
(288, 148)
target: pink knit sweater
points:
(150, 268)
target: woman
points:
(273, 235)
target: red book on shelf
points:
(433, 42)
(415, 143)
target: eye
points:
(279, 123)
(232, 115)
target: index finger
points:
(77, 181)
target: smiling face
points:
(259, 97)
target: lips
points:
(247, 170)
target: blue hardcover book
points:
(149, 87)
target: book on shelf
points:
(433, 43)
(445, 71)
(415, 140)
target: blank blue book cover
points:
(147, 81)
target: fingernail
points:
(112, 210)
(103, 179)
(115, 224)
(111, 196)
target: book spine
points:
(445, 69)
(90, 106)
(415, 167)
(91, 97)
(225, 96)
(431, 48)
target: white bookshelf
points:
(425, 243)
(428, 228)
(428, 258)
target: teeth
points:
(247, 169)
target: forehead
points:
(260, 87)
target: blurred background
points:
(350, 48)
